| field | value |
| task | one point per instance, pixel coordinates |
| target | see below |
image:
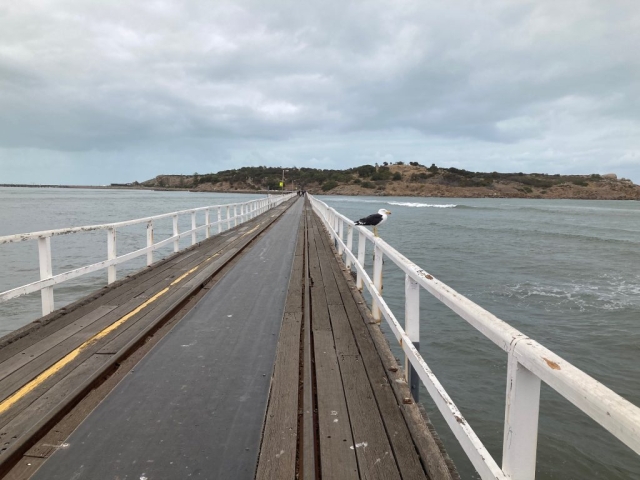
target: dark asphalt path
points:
(194, 406)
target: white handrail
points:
(529, 363)
(47, 280)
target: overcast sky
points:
(93, 92)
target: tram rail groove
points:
(11, 456)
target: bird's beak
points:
(388, 212)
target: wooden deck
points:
(352, 416)
(338, 405)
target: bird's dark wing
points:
(374, 219)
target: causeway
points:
(250, 355)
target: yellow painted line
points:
(252, 230)
(69, 357)
(7, 403)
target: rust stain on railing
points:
(552, 365)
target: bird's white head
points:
(384, 211)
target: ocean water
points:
(566, 273)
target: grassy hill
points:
(406, 180)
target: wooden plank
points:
(294, 295)
(28, 354)
(320, 315)
(126, 332)
(208, 265)
(278, 452)
(330, 286)
(375, 455)
(374, 452)
(337, 457)
(415, 441)
(342, 333)
(32, 369)
(309, 462)
(25, 468)
(65, 387)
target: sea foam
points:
(423, 205)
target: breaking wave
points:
(608, 294)
(423, 205)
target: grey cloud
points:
(513, 80)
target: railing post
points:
(228, 218)
(207, 222)
(149, 242)
(176, 242)
(377, 282)
(521, 422)
(412, 328)
(362, 246)
(349, 244)
(46, 271)
(219, 219)
(193, 227)
(235, 214)
(340, 234)
(111, 254)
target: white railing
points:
(227, 216)
(529, 363)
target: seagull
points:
(375, 220)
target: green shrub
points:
(365, 171)
(368, 185)
(383, 173)
(396, 176)
(418, 177)
(329, 185)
